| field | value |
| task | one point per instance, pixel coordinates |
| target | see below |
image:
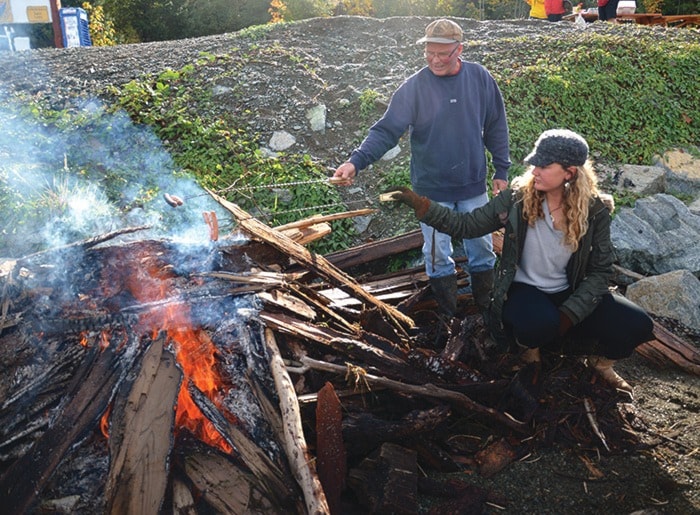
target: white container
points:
(626, 7)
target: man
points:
(454, 112)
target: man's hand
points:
(407, 196)
(498, 186)
(344, 174)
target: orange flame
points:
(195, 352)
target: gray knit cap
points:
(558, 146)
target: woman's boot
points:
(604, 368)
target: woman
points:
(557, 256)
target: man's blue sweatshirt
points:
(451, 120)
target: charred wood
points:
(387, 481)
(93, 387)
(330, 447)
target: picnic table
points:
(680, 20)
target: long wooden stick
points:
(427, 390)
(300, 459)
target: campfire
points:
(248, 374)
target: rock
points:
(281, 140)
(657, 236)
(673, 295)
(641, 180)
(317, 118)
(682, 173)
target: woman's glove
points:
(407, 196)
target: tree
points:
(305, 9)
(102, 31)
(277, 10)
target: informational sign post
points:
(25, 11)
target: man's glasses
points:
(443, 56)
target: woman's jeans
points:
(437, 246)
(618, 324)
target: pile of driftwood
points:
(251, 375)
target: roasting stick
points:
(300, 459)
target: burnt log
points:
(91, 391)
(387, 482)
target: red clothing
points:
(554, 6)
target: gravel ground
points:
(340, 58)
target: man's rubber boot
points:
(482, 286)
(445, 292)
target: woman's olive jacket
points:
(589, 269)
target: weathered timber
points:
(141, 433)
(669, 348)
(301, 462)
(224, 485)
(368, 252)
(316, 263)
(272, 478)
(90, 393)
(330, 448)
(391, 364)
(183, 501)
(304, 235)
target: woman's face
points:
(551, 177)
(443, 58)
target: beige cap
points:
(442, 31)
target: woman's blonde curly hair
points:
(577, 197)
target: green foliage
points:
(368, 104)
(630, 97)
(102, 32)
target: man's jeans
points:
(437, 246)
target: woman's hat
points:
(558, 146)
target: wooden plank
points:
(380, 249)
(141, 434)
(314, 262)
(670, 348)
(225, 486)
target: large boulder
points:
(673, 295)
(657, 236)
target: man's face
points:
(443, 58)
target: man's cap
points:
(442, 31)
(558, 146)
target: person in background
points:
(557, 257)
(537, 10)
(554, 9)
(453, 111)
(607, 10)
